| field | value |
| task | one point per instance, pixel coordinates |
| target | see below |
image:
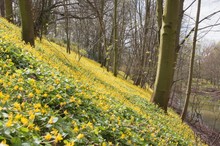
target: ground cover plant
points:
(48, 98)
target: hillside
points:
(49, 98)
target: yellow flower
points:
(62, 103)
(80, 136)
(16, 87)
(54, 132)
(58, 138)
(32, 116)
(31, 126)
(48, 136)
(37, 91)
(104, 144)
(45, 95)
(90, 125)
(72, 99)
(30, 95)
(67, 86)
(3, 143)
(129, 142)
(1, 94)
(51, 120)
(19, 96)
(65, 112)
(9, 123)
(18, 116)
(58, 96)
(24, 121)
(38, 105)
(76, 129)
(123, 136)
(17, 106)
(36, 128)
(70, 143)
(21, 89)
(110, 144)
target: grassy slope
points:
(74, 102)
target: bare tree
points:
(2, 8)
(9, 10)
(27, 21)
(189, 84)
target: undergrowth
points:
(49, 98)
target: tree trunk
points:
(115, 69)
(167, 53)
(9, 10)
(2, 7)
(189, 84)
(66, 26)
(27, 21)
(144, 44)
(159, 16)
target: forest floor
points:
(48, 97)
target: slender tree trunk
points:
(159, 16)
(27, 21)
(168, 36)
(189, 84)
(115, 69)
(144, 45)
(9, 10)
(66, 26)
(2, 7)
(179, 22)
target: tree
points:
(189, 84)
(42, 10)
(144, 43)
(66, 26)
(9, 10)
(2, 8)
(167, 53)
(115, 70)
(159, 16)
(27, 21)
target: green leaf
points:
(16, 141)
(25, 130)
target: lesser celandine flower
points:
(48, 136)
(3, 143)
(24, 121)
(37, 128)
(9, 123)
(70, 143)
(58, 138)
(30, 95)
(80, 136)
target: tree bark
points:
(9, 10)
(159, 16)
(66, 26)
(115, 69)
(189, 84)
(168, 36)
(2, 7)
(144, 44)
(27, 21)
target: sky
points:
(207, 7)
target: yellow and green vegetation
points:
(48, 98)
